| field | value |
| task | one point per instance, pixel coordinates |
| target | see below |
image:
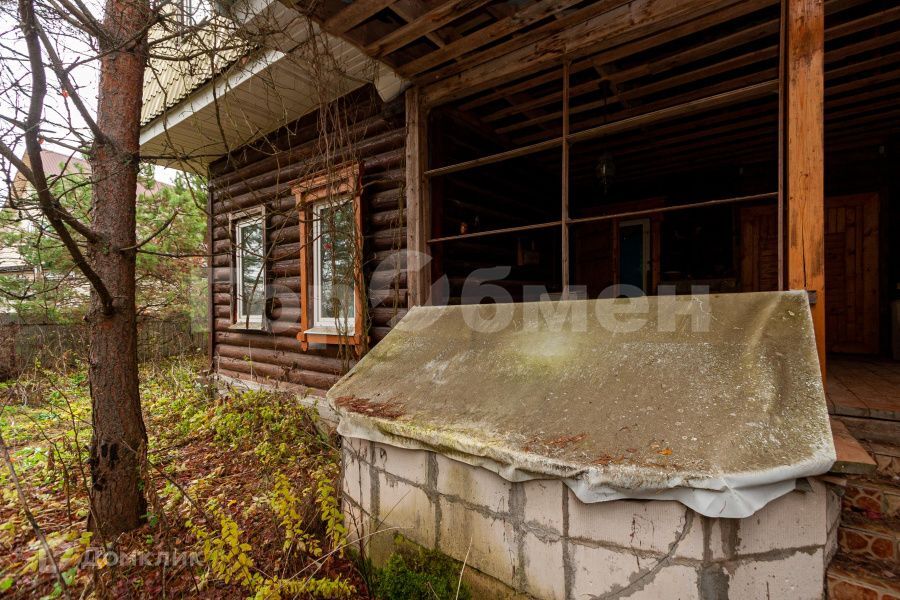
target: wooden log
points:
(281, 357)
(274, 385)
(314, 379)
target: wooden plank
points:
(530, 14)
(564, 230)
(805, 156)
(852, 458)
(628, 23)
(354, 14)
(432, 19)
(418, 219)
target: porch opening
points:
(660, 168)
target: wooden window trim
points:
(340, 181)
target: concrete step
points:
(851, 580)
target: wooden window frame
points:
(339, 182)
(235, 221)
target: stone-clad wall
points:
(538, 538)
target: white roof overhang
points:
(302, 68)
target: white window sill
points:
(252, 324)
(320, 330)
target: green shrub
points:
(416, 573)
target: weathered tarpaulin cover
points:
(715, 401)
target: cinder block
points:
(799, 576)
(544, 503)
(357, 484)
(692, 544)
(544, 569)
(406, 508)
(356, 446)
(472, 484)
(490, 542)
(357, 522)
(795, 520)
(598, 571)
(652, 525)
(672, 582)
(408, 464)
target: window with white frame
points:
(333, 265)
(250, 294)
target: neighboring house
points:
(584, 148)
(21, 212)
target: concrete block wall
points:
(537, 538)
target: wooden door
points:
(759, 249)
(851, 273)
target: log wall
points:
(371, 132)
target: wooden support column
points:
(804, 156)
(418, 221)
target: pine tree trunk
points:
(119, 442)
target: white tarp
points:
(714, 401)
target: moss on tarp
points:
(416, 573)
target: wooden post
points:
(565, 183)
(418, 219)
(805, 156)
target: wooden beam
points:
(805, 156)
(354, 14)
(564, 231)
(522, 18)
(423, 24)
(614, 28)
(418, 216)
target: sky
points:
(61, 117)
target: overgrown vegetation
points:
(241, 487)
(416, 573)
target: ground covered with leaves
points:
(241, 487)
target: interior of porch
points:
(658, 167)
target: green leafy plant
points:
(416, 573)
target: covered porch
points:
(581, 149)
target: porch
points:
(863, 386)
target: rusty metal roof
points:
(714, 400)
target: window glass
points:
(334, 231)
(250, 261)
(195, 11)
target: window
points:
(330, 234)
(334, 237)
(249, 256)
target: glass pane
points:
(252, 257)
(335, 256)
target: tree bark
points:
(119, 442)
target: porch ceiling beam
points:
(630, 24)
(354, 14)
(421, 25)
(681, 58)
(889, 60)
(532, 13)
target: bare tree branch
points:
(33, 147)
